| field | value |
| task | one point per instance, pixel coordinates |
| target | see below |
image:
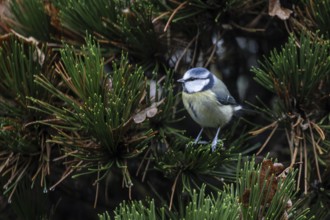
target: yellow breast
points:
(205, 109)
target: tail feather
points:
(240, 110)
(237, 108)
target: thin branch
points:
(268, 138)
(259, 131)
(300, 166)
(296, 141)
(145, 170)
(97, 188)
(247, 29)
(65, 155)
(193, 59)
(18, 179)
(40, 121)
(293, 159)
(289, 139)
(142, 162)
(305, 167)
(173, 14)
(257, 19)
(212, 54)
(173, 190)
(64, 176)
(184, 52)
(160, 16)
(314, 151)
(5, 164)
(319, 130)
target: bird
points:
(207, 100)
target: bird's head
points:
(197, 80)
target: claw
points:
(215, 140)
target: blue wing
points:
(225, 98)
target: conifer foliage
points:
(90, 110)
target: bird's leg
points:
(198, 136)
(215, 140)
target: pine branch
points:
(261, 192)
(321, 11)
(120, 25)
(24, 151)
(162, 98)
(30, 19)
(182, 12)
(93, 114)
(312, 18)
(31, 204)
(299, 76)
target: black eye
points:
(196, 78)
(192, 79)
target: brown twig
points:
(252, 30)
(212, 54)
(305, 167)
(173, 190)
(142, 162)
(318, 130)
(259, 131)
(160, 16)
(65, 155)
(289, 139)
(193, 59)
(294, 157)
(184, 52)
(97, 188)
(173, 14)
(300, 166)
(314, 151)
(3, 165)
(18, 179)
(267, 140)
(64, 176)
(145, 170)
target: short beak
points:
(180, 80)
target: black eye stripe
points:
(193, 78)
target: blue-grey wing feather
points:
(222, 93)
(225, 98)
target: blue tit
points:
(207, 100)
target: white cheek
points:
(196, 85)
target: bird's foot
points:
(215, 143)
